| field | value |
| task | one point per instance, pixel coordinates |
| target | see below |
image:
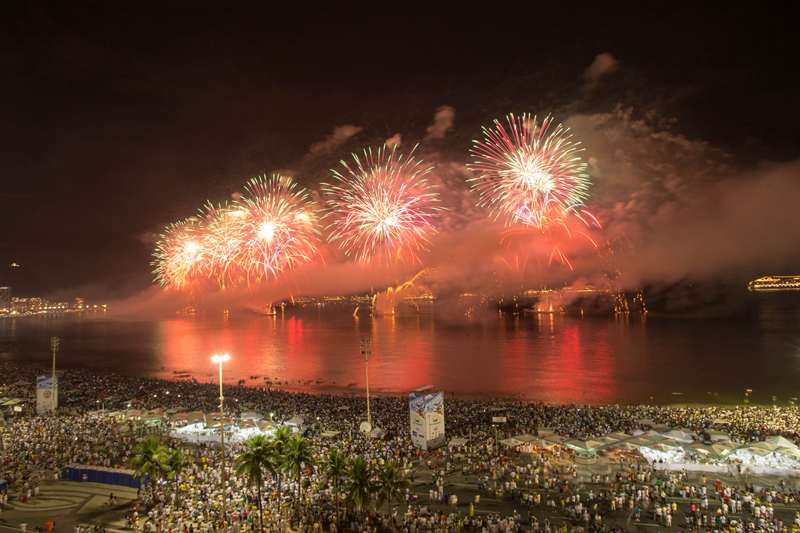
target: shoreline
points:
(344, 392)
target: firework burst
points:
(267, 233)
(382, 207)
(530, 172)
(181, 257)
(277, 228)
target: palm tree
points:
(252, 462)
(361, 483)
(277, 452)
(147, 460)
(298, 454)
(392, 484)
(172, 465)
(335, 466)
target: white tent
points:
(526, 438)
(252, 415)
(295, 421)
(458, 441)
(586, 446)
(715, 436)
(681, 435)
(780, 441)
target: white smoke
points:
(394, 140)
(442, 122)
(603, 64)
(340, 135)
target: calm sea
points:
(533, 357)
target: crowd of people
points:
(449, 482)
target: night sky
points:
(119, 118)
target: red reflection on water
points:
(400, 363)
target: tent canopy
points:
(458, 441)
(717, 435)
(780, 441)
(295, 421)
(252, 415)
(590, 446)
(526, 438)
(679, 435)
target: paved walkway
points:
(70, 504)
(82, 503)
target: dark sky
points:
(121, 117)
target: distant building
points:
(5, 299)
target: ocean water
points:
(533, 357)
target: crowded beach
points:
(545, 467)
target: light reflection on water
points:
(533, 357)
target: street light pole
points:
(219, 359)
(366, 351)
(54, 343)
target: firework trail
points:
(277, 228)
(529, 174)
(382, 207)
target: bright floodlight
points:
(220, 358)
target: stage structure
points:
(427, 418)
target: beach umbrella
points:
(780, 441)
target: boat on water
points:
(775, 283)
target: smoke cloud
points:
(339, 136)
(394, 140)
(442, 122)
(603, 64)
(687, 214)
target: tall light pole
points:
(219, 359)
(54, 343)
(366, 351)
